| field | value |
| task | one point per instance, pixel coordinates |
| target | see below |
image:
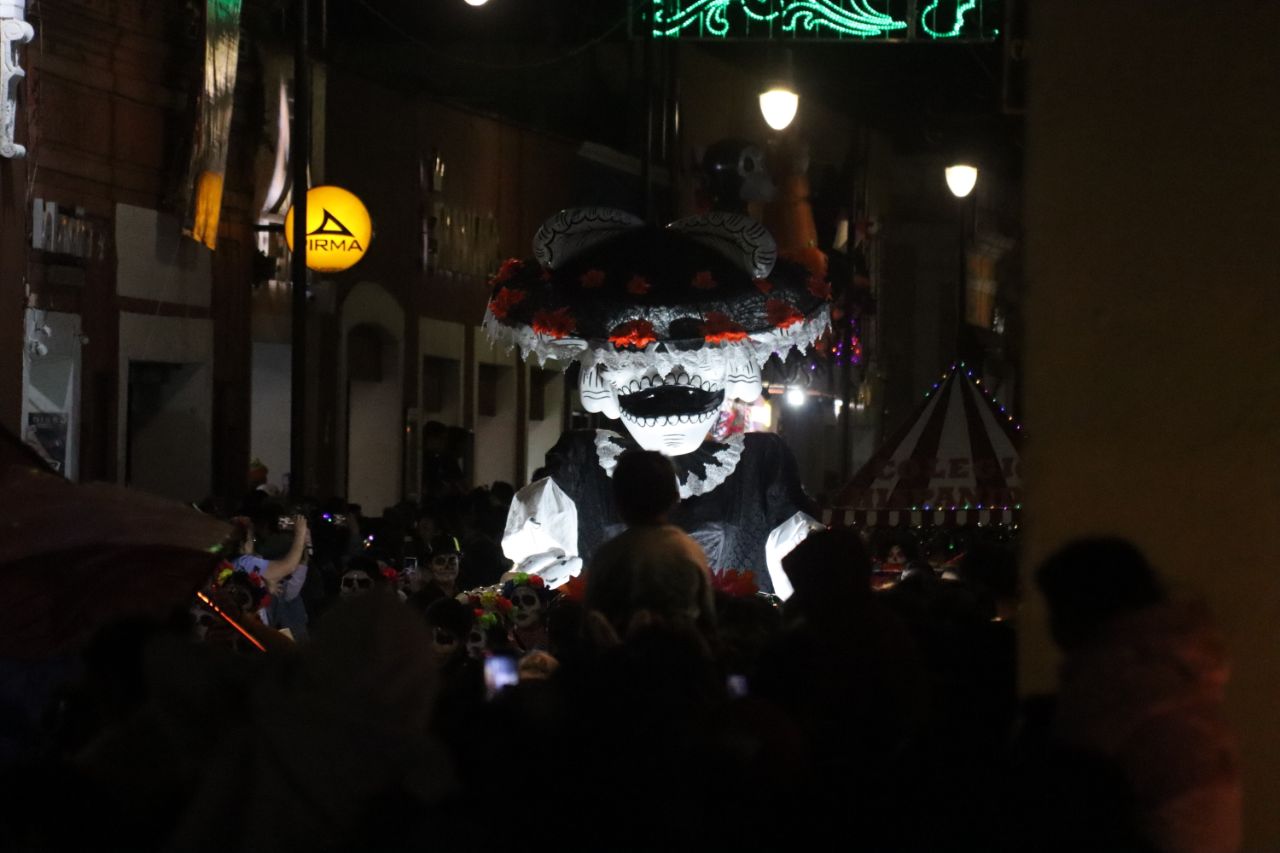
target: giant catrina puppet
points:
(667, 325)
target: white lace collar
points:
(716, 459)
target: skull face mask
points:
(668, 399)
(444, 644)
(477, 643)
(527, 607)
(444, 568)
(667, 324)
(354, 583)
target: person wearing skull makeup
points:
(668, 326)
(360, 577)
(442, 569)
(530, 600)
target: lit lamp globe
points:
(338, 229)
(961, 179)
(796, 396)
(778, 105)
(476, 2)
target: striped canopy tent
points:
(954, 463)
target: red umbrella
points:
(76, 557)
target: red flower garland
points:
(638, 286)
(704, 280)
(782, 314)
(763, 285)
(507, 271)
(554, 324)
(504, 300)
(819, 287)
(636, 333)
(719, 329)
(591, 279)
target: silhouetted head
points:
(829, 566)
(644, 487)
(1089, 582)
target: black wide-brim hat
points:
(602, 279)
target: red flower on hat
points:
(536, 580)
(638, 286)
(503, 604)
(554, 324)
(575, 589)
(504, 300)
(636, 333)
(763, 285)
(819, 287)
(719, 329)
(782, 314)
(735, 582)
(592, 279)
(704, 280)
(507, 271)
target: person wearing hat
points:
(443, 564)
(667, 326)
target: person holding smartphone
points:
(273, 572)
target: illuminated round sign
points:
(338, 229)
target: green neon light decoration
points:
(816, 20)
(930, 15)
(711, 17)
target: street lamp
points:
(796, 396)
(476, 2)
(961, 179)
(778, 100)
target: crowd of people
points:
(395, 683)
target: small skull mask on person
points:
(446, 562)
(450, 622)
(529, 599)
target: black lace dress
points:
(731, 522)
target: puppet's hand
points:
(553, 566)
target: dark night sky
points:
(526, 60)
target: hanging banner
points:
(207, 171)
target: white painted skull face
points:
(476, 642)
(666, 397)
(201, 620)
(445, 567)
(354, 583)
(526, 607)
(444, 644)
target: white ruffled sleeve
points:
(542, 518)
(782, 539)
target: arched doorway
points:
(374, 440)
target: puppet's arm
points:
(541, 536)
(782, 539)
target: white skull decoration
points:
(668, 399)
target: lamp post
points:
(301, 158)
(961, 180)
